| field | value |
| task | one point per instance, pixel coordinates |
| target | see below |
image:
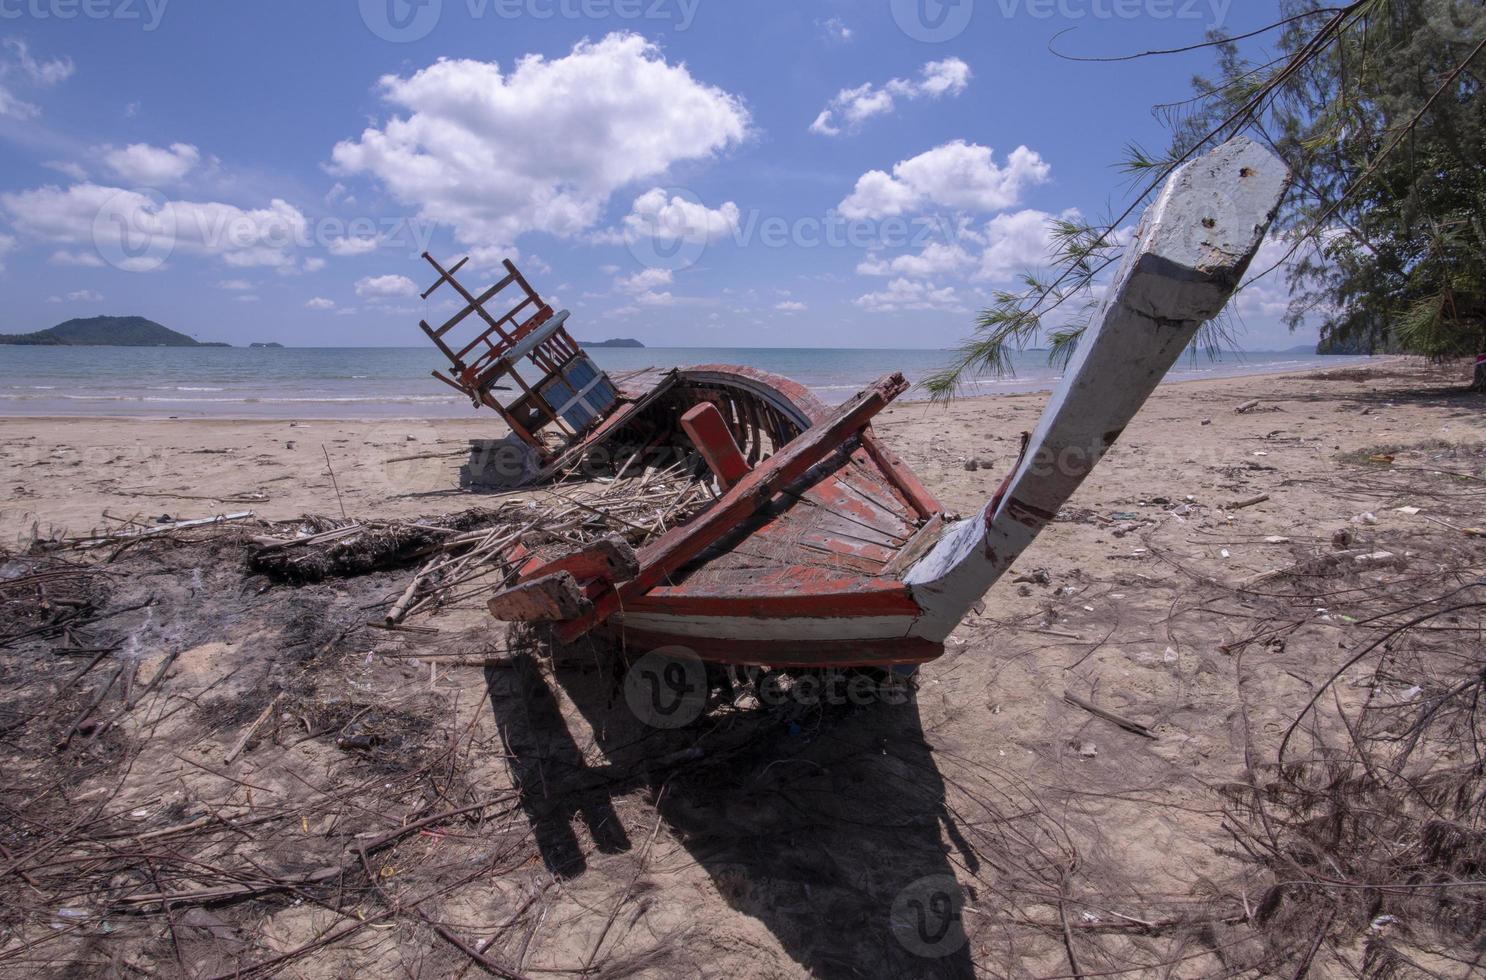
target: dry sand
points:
(785, 854)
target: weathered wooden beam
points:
(672, 550)
(611, 559)
(1193, 246)
(443, 274)
(901, 477)
(552, 599)
(709, 432)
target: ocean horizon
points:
(396, 382)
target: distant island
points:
(621, 342)
(106, 331)
(266, 346)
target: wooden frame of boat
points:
(823, 549)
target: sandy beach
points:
(66, 473)
(779, 850)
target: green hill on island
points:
(619, 342)
(106, 331)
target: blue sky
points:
(687, 172)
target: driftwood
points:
(587, 530)
(550, 599)
(1134, 727)
(89, 542)
(252, 729)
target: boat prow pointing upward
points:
(822, 548)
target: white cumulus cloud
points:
(959, 175)
(320, 303)
(17, 63)
(907, 294)
(657, 214)
(386, 287)
(644, 287)
(67, 168)
(151, 166)
(835, 29)
(342, 247)
(543, 146)
(1016, 241)
(852, 107)
(111, 217)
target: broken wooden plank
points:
(917, 546)
(902, 478)
(611, 559)
(710, 434)
(552, 599)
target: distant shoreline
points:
(914, 397)
(223, 345)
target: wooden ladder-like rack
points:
(570, 395)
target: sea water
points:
(396, 382)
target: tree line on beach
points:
(1376, 105)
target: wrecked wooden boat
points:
(568, 416)
(822, 549)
